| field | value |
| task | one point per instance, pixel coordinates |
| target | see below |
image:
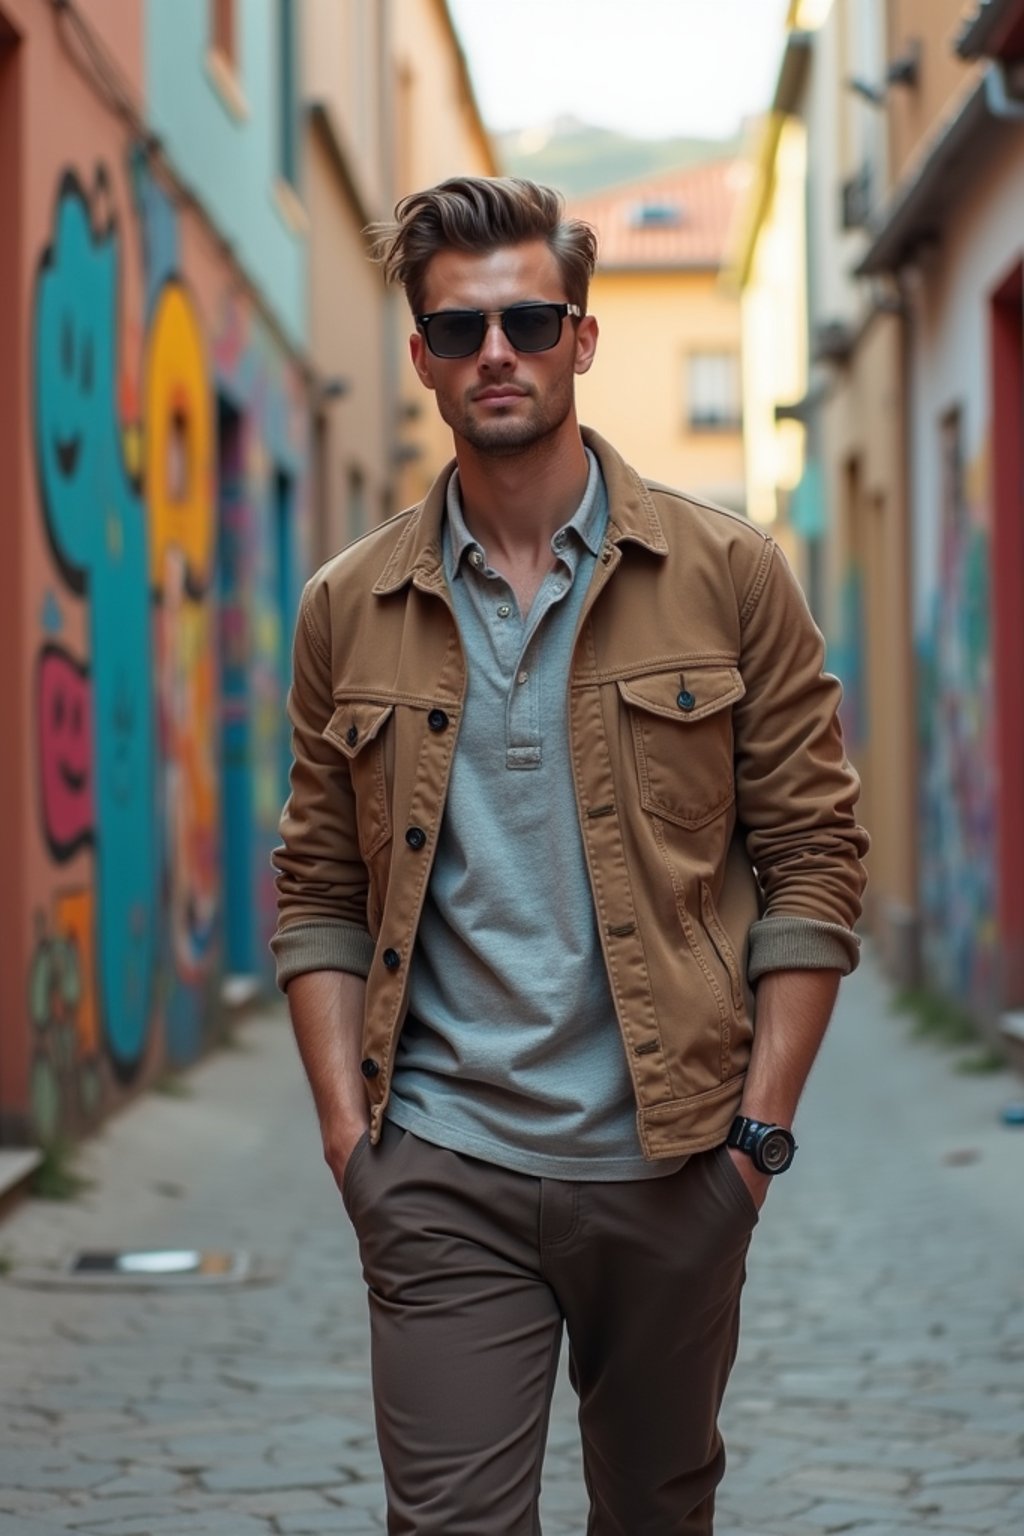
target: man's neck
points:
(513, 504)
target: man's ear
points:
(586, 343)
(420, 355)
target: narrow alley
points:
(880, 1388)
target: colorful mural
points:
(97, 528)
(262, 521)
(956, 749)
(180, 496)
(64, 744)
(66, 1073)
(161, 646)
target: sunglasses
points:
(529, 328)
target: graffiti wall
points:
(957, 757)
(263, 550)
(161, 624)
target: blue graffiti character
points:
(96, 525)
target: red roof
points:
(673, 219)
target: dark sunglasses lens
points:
(533, 327)
(456, 334)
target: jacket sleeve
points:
(795, 789)
(321, 878)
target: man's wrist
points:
(769, 1146)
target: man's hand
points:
(757, 1183)
(793, 1009)
(339, 1143)
(327, 1016)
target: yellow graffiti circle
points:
(178, 418)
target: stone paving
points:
(879, 1390)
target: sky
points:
(649, 68)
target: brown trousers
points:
(472, 1271)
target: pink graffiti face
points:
(65, 751)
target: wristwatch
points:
(769, 1147)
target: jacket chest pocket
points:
(357, 729)
(683, 741)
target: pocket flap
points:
(355, 723)
(686, 694)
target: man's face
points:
(498, 400)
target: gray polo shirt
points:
(512, 1051)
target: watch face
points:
(775, 1152)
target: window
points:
(223, 37)
(288, 160)
(713, 392)
(655, 215)
(223, 57)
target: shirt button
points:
(504, 610)
(416, 837)
(437, 720)
(560, 540)
(369, 1067)
(392, 959)
(476, 559)
(522, 677)
(686, 700)
(352, 735)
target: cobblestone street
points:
(880, 1386)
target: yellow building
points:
(665, 386)
(770, 271)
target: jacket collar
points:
(632, 518)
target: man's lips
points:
(499, 394)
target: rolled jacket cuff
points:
(801, 944)
(321, 944)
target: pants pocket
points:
(355, 1157)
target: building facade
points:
(670, 327)
(200, 399)
(437, 132)
(155, 444)
(347, 187)
(908, 512)
(949, 235)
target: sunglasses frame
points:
(501, 315)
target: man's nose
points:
(495, 350)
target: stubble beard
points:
(505, 436)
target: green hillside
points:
(578, 158)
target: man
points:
(547, 726)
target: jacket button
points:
(415, 837)
(437, 720)
(369, 1068)
(686, 699)
(352, 735)
(392, 959)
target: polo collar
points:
(417, 556)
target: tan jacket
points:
(704, 744)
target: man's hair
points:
(481, 214)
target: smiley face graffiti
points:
(97, 529)
(64, 739)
